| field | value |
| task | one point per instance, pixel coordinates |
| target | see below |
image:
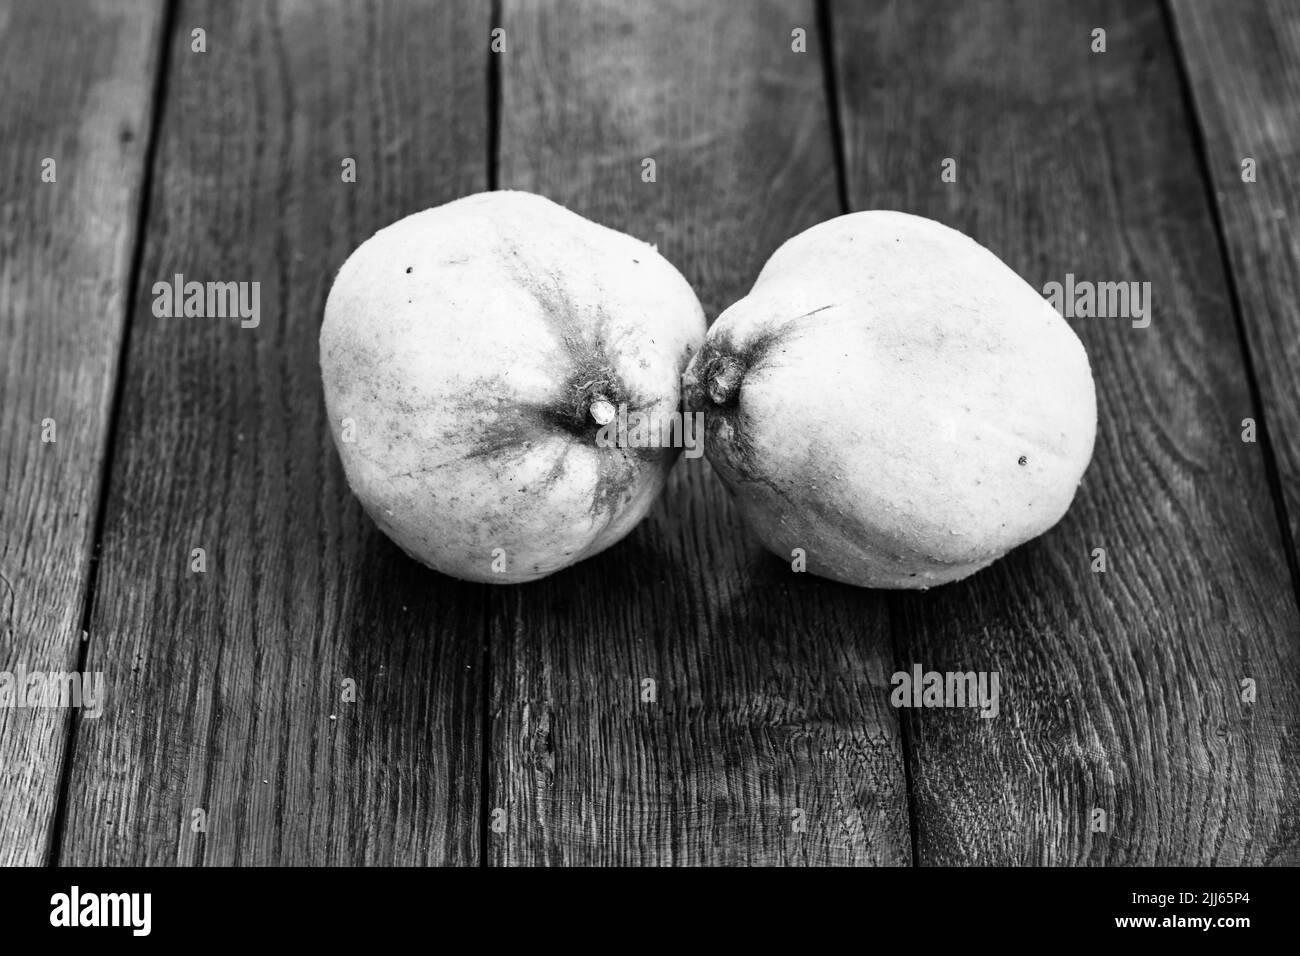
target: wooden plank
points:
(771, 687)
(226, 685)
(1244, 71)
(78, 91)
(1120, 690)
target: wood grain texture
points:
(1120, 690)
(225, 686)
(78, 90)
(771, 687)
(1244, 69)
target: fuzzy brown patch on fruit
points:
(504, 427)
(512, 428)
(731, 429)
(615, 484)
(720, 368)
(580, 333)
(714, 385)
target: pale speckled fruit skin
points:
(457, 340)
(894, 373)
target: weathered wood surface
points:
(226, 685)
(1120, 690)
(771, 708)
(1243, 65)
(78, 89)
